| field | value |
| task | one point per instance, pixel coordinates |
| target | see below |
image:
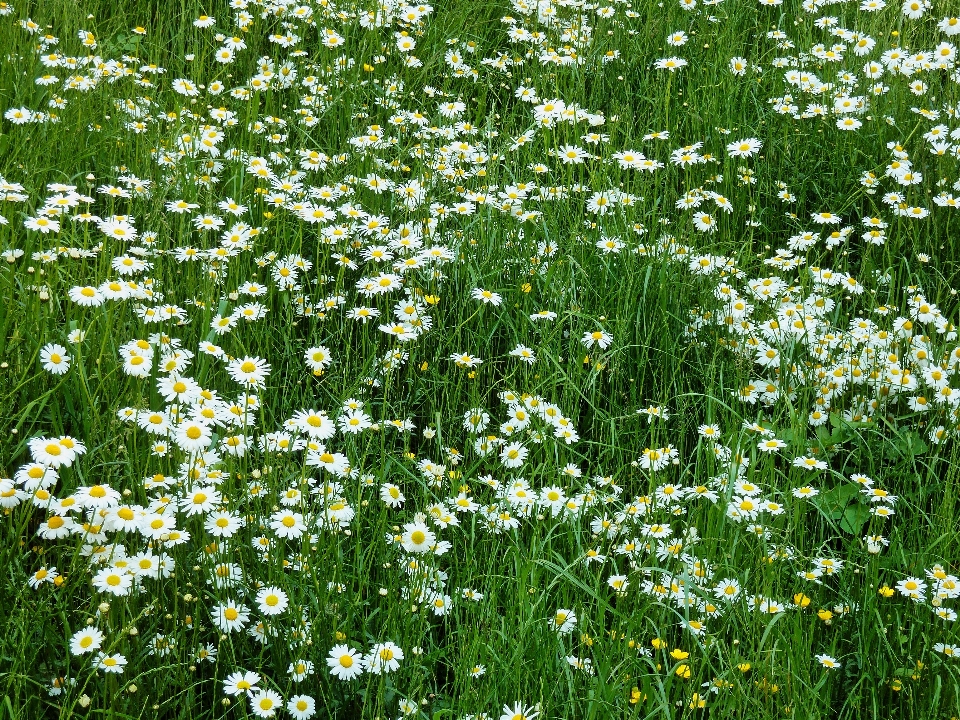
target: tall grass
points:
(709, 573)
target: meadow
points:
(485, 360)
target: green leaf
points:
(854, 518)
(833, 505)
(835, 500)
(910, 444)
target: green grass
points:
(678, 342)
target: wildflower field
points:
(488, 360)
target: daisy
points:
(390, 494)
(193, 436)
(949, 650)
(486, 296)
(345, 663)
(86, 296)
(677, 39)
(42, 224)
(825, 218)
(727, 589)
(96, 497)
(241, 682)
(914, 9)
(524, 353)
(114, 581)
(43, 575)
(148, 565)
(19, 116)
(315, 423)
(619, 583)
(272, 600)
(466, 360)
(402, 331)
(518, 712)
(300, 669)
(771, 445)
(563, 621)
(201, 500)
(744, 148)
(704, 222)
(110, 663)
(183, 86)
(913, 588)
(211, 349)
(513, 455)
(417, 537)
(363, 314)
(598, 338)
(571, 154)
(54, 359)
(86, 640)
(354, 421)
(287, 524)
(828, 662)
(49, 452)
(441, 604)
(383, 658)
(709, 431)
(250, 371)
(156, 526)
(265, 702)
(335, 463)
(155, 423)
(174, 388)
(672, 64)
(118, 229)
(809, 463)
(301, 707)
